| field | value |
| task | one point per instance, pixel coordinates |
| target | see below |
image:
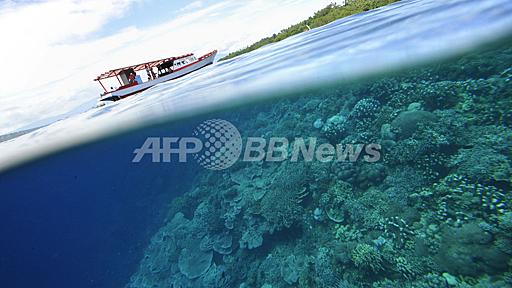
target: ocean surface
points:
(119, 196)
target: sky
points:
(51, 50)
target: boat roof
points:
(138, 67)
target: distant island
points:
(324, 16)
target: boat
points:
(157, 71)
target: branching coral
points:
(367, 257)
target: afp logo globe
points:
(222, 144)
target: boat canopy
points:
(138, 67)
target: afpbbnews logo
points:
(217, 145)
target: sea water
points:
(422, 89)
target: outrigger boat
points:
(166, 69)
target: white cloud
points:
(192, 6)
(49, 62)
(35, 34)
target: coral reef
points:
(434, 211)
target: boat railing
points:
(134, 83)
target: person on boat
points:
(131, 78)
(151, 74)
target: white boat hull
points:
(125, 92)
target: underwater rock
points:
(194, 262)
(407, 122)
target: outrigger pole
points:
(99, 81)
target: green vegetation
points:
(326, 15)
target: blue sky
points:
(54, 56)
(150, 13)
